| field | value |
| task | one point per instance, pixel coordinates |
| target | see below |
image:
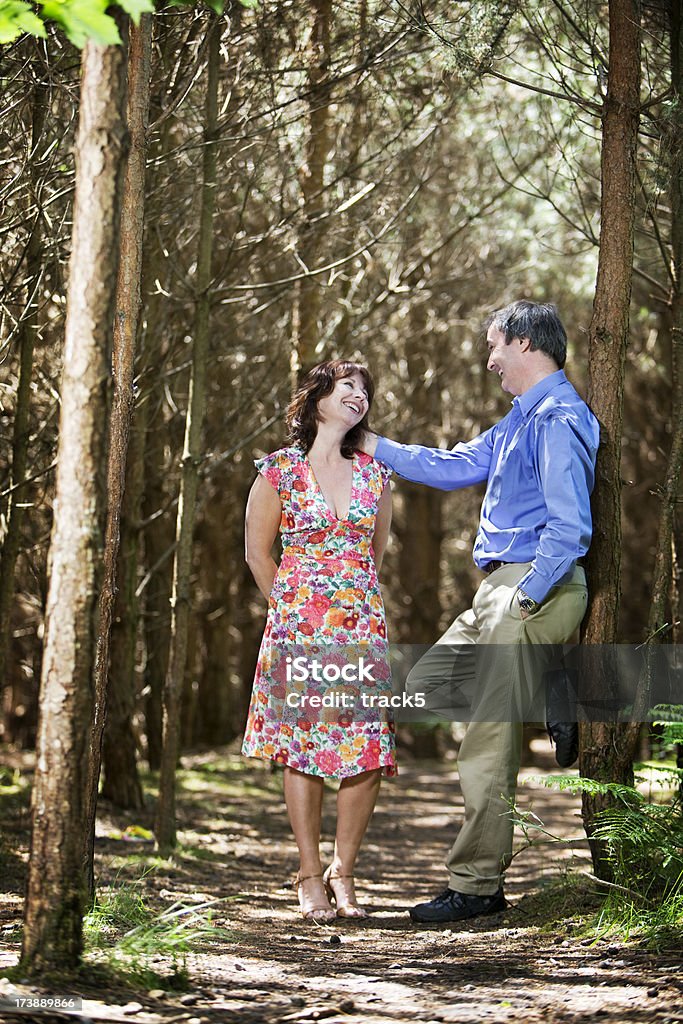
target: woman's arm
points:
(382, 526)
(260, 530)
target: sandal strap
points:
(298, 879)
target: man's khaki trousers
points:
(491, 662)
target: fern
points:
(670, 720)
(668, 713)
(579, 784)
(669, 772)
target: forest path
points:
(529, 963)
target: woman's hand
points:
(260, 530)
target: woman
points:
(332, 505)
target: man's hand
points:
(527, 606)
(368, 442)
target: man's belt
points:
(492, 566)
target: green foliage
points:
(671, 722)
(645, 846)
(80, 19)
(83, 20)
(9, 777)
(643, 841)
(124, 934)
(17, 17)
(577, 784)
(120, 908)
(136, 8)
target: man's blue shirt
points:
(539, 465)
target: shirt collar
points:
(531, 398)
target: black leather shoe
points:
(565, 736)
(561, 704)
(457, 906)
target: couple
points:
(328, 495)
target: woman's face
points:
(346, 404)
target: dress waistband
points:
(296, 554)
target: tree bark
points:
(607, 747)
(662, 581)
(219, 547)
(158, 535)
(115, 693)
(420, 531)
(306, 307)
(159, 539)
(180, 602)
(358, 98)
(121, 782)
(54, 904)
(123, 363)
(28, 332)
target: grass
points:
(127, 939)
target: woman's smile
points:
(348, 394)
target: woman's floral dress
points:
(326, 608)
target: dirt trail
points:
(529, 963)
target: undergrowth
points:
(643, 842)
(124, 936)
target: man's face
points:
(507, 360)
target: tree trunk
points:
(28, 331)
(607, 748)
(663, 567)
(180, 603)
(306, 307)
(54, 904)
(123, 365)
(213, 725)
(250, 630)
(159, 542)
(121, 782)
(421, 528)
(358, 97)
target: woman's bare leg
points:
(304, 801)
(355, 803)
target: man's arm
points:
(468, 463)
(566, 468)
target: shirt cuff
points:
(535, 587)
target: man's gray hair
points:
(538, 321)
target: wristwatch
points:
(526, 603)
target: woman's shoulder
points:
(373, 467)
(283, 458)
(278, 466)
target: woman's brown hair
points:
(302, 412)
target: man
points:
(535, 526)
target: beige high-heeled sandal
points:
(321, 915)
(346, 906)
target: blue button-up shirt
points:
(539, 465)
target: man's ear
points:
(524, 344)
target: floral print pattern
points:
(325, 603)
